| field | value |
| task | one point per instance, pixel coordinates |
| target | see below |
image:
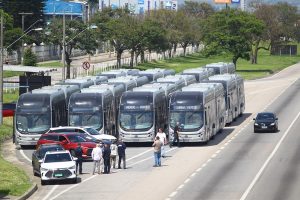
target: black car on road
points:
(265, 122)
(39, 153)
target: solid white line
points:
(23, 154)
(51, 191)
(244, 196)
(214, 155)
(140, 154)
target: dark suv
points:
(265, 122)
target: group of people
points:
(104, 156)
(159, 144)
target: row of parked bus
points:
(133, 104)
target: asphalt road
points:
(237, 164)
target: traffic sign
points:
(86, 65)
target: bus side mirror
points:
(254, 119)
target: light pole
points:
(23, 29)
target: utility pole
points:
(64, 48)
(23, 29)
(1, 70)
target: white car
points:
(58, 165)
(86, 130)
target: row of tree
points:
(231, 31)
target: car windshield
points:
(93, 120)
(92, 131)
(32, 123)
(43, 151)
(136, 120)
(59, 157)
(189, 120)
(77, 138)
(265, 116)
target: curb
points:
(28, 192)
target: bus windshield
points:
(93, 120)
(189, 120)
(136, 120)
(33, 123)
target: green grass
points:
(50, 64)
(13, 181)
(266, 64)
(7, 74)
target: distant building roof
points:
(20, 68)
(58, 7)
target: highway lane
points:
(230, 172)
(141, 180)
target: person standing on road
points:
(113, 154)
(78, 155)
(157, 144)
(176, 135)
(97, 157)
(121, 153)
(163, 138)
(106, 158)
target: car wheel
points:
(35, 173)
(74, 180)
(43, 182)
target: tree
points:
(78, 35)
(113, 27)
(279, 20)
(231, 31)
(196, 9)
(14, 7)
(30, 58)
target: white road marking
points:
(244, 196)
(180, 186)
(24, 156)
(199, 169)
(173, 194)
(187, 180)
(214, 155)
(140, 154)
(51, 191)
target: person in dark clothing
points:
(106, 158)
(176, 135)
(78, 155)
(121, 154)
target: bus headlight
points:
(272, 124)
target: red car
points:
(8, 109)
(69, 141)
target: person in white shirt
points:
(163, 139)
(97, 157)
(113, 154)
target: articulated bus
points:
(81, 82)
(201, 74)
(188, 79)
(93, 107)
(117, 91)
(178, 81)
(36, 112)
(142, 112)
(151, 74)
(128, 83)
(194, 109)
(221, 67)
(234, 92)
(67, 89)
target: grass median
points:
(267, 64)
(13, 181)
